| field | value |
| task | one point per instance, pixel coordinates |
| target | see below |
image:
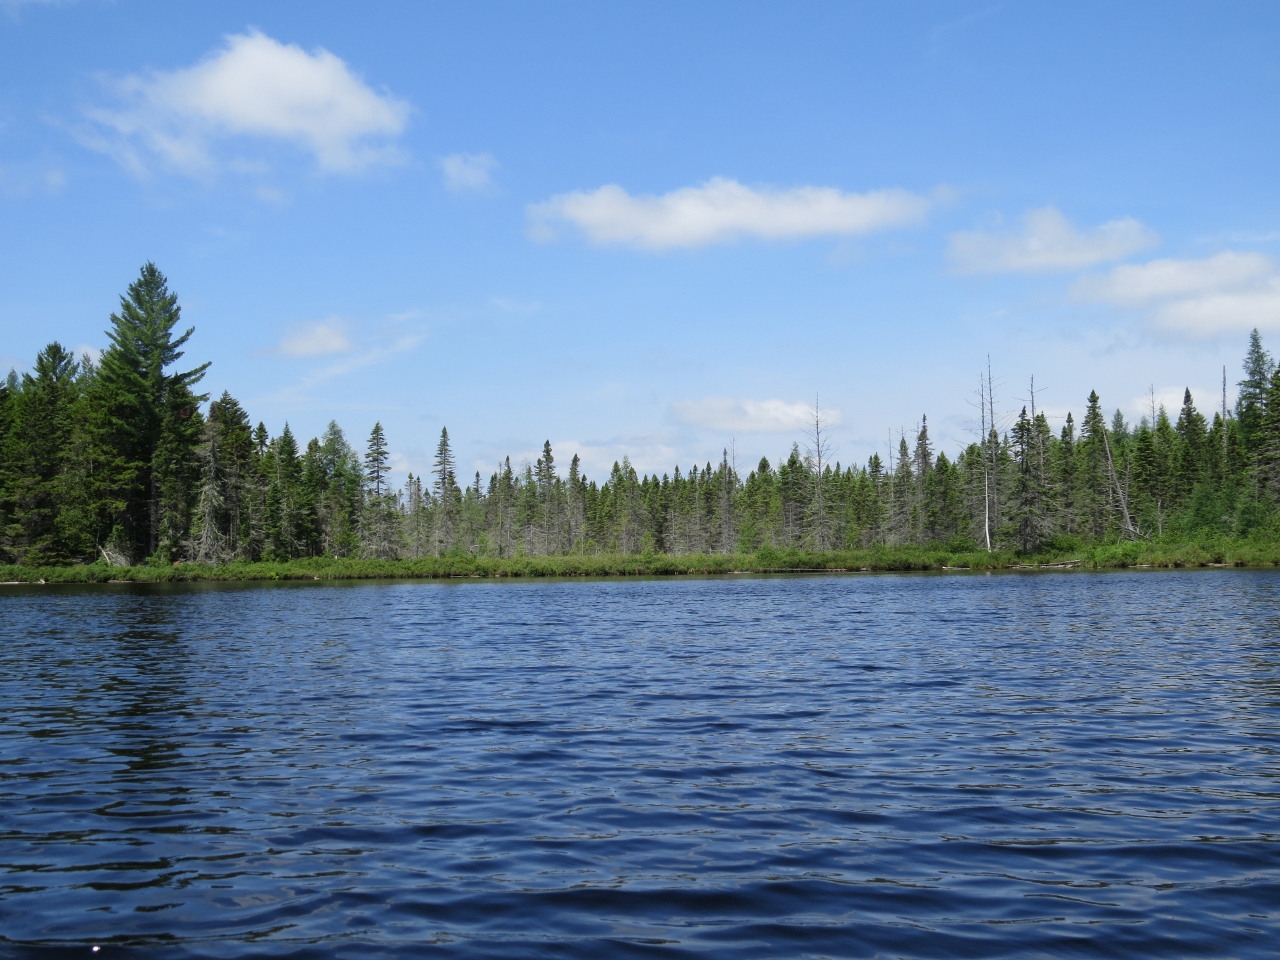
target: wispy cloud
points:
(732, 415)
(468, 172)
(315, 339)
(722, 210)
(25, 179)
(513, 306)
(253, 88)
(13, 6)
(1047, 242)
(1226, 293)
(356, 362)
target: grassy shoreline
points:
(903, 559)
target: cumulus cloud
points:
(465, 172)
(252, 88)
(315, 340)
(732, 415)
(723, 210)
(1047, 242)
(1228, 292)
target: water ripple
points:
(879, 766)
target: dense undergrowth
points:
(903, 559)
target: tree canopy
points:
(123, 460)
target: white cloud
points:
(732, 415)
(722, 210)
(94, 353)
(315, 340)
(252, 87)
(1228, 292)
(1207, 401)
(648, 454)
(296, 393)
(1047, 242)
(1160, 279)
(468, 171)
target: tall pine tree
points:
(146, 423)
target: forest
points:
(122, 461)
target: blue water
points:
(1064, 765)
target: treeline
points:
(117, 461)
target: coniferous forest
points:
(124, 461)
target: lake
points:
(1068, 764)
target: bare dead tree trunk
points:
(1224, 416)
(986, 473)
(1121, 494)
(819, 457)
(995, 450)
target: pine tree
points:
(146, 421)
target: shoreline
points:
(900, 560)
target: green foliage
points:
(114, 467)
(144, 425)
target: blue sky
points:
(650, 229)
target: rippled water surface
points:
(896, 766)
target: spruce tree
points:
(375, 460)
(1028, 514)
(338, 476)
(37, 461)
(8, 399)
(1267, 439)
(1193, 437)
(286, 510)
(1092, 498)
(1258, 368)
(233, 459)
(1065, 464)
(544, 473)
(378, 527)
(445, 493)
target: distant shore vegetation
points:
(120, 469)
